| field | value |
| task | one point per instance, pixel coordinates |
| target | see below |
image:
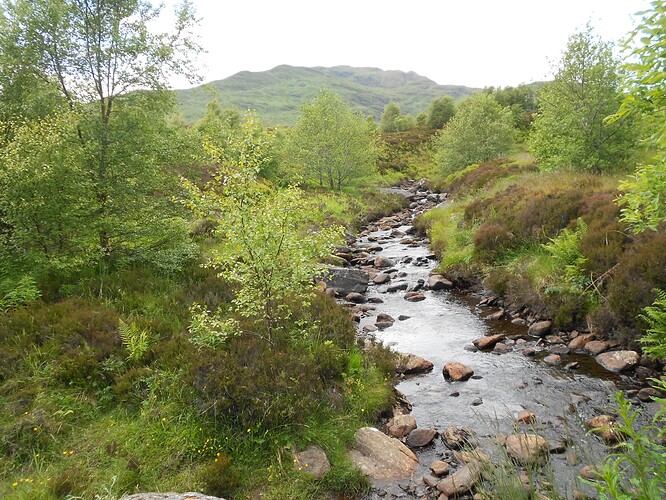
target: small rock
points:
(647, 393)
(381, 279)
(553, 359)
(526, 417)
(595, 347)
(456, 371)
(419, 438)
(430, 481)
(381, 457)
(410, 364)
(397, 287)
(572, 366)
(559, 349)
(383, 325)
(540, 329)
(501, 348)
(605, 426)
(312, 461)
(527, 448)
(488, 342)
(461, 481)
(477, 402)
(402, 317)
(580, 341)
(496, 316)
(589, 472)
(382, 262)
(519, 321)
(369, 328)
(375, 300)
(439, 468)
(454, 394)
(401, 425)
(528, 352)
(414, 296)
(471, 348)
(457, 438)
(439, 282)
(618, 361)
(356, 298)
(383, 318)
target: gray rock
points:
(559, 349)
(439, 468)
(439, 282)
(397, 287)
(381, 279)
(356, 298)
(383, 325)
(496, 316)
(647, 393)
(402, 317)
(419, 438)
(312, 461)
(618, 361)
(458, 438)
(381, 457)
(344, 280)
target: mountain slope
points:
(277, 94)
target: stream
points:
(441, 328)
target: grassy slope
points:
(277, 94)
(77, 417)
(498, 228)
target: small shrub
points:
(655, 317)
(491, 240)
(640, 269)
(71, 483)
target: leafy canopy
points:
(643, 204)
(570, 131)
(481, 130)
(333, 145)
(264, 247)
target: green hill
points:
(277, 94)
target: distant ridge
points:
(277, 94)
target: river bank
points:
(529, 381)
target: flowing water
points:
(439, 328)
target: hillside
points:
(277, 94)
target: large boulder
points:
(381, 457)
(527, 448)
(456, 371)
(345, 281)
(618, 361)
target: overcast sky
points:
(474, 43)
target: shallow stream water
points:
(439, 328)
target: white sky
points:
(463, 42)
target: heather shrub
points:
(491, 240)
(544, 215)
(476, 177)
(219, 477)
(640, 270)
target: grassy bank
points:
(548, 241)
(102, 392)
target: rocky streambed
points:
(485, 384)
